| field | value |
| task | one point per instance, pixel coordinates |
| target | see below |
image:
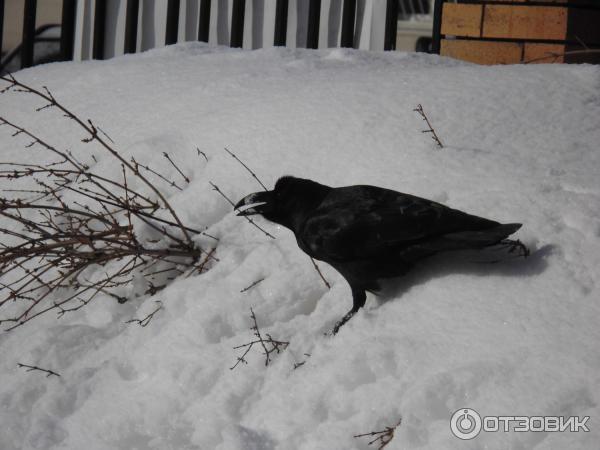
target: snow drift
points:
(516, 338)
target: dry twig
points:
(247, 288)
(320, 273)
(216, 188)
(32, 368)
(434, 136)
(158, 174)
(383, 437)
(246, 167)
(166, 155)
(268, 344)
(200, 152)
(203, 265)
(146, 320)
(301, 363)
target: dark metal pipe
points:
(67, 29)
(437, 26)
(99, 30)
(391, 25)
(204, 24)
(314, 18)
(28, 33)
(281, 13)
(237, 23)
(1, 23)
(131, 26)
(172, 22)
(348, 18)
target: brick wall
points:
(512, 31)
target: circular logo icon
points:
(465, 423)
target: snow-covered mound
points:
(516, 338)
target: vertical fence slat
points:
(314, 16)
(237, 23)
(348, 18)
(131, 26)
(281, 13)
(99, 30)
(69, 8)
(1, 23)
(391, 25)
(67, 29)
(204, 24)
(172, 22)
(437, 26)
(28, 33)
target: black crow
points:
(368, 233)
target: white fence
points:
(259, 24)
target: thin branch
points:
(162, 177)
(200, 152)
(216, 188)
(146, 320)
(320, 274)
(434, 136)
(268, 344)
(200, 267)
(383, 437)
(247, 288)
(166, 155)
(301, 363)
(32, 368)
(105, 135)
(246, 167)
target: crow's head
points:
(290, 201)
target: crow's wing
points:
(360, 222)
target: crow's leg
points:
(358, 301)
(343, 320)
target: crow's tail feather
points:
(478, 239)
(461, 240)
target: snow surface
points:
(516, 338)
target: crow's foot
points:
(344, 319)
(515, 246)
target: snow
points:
(516, 338)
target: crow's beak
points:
(263, 198)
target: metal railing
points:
(31, 34)
(100, 17)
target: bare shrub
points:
(69, 222)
